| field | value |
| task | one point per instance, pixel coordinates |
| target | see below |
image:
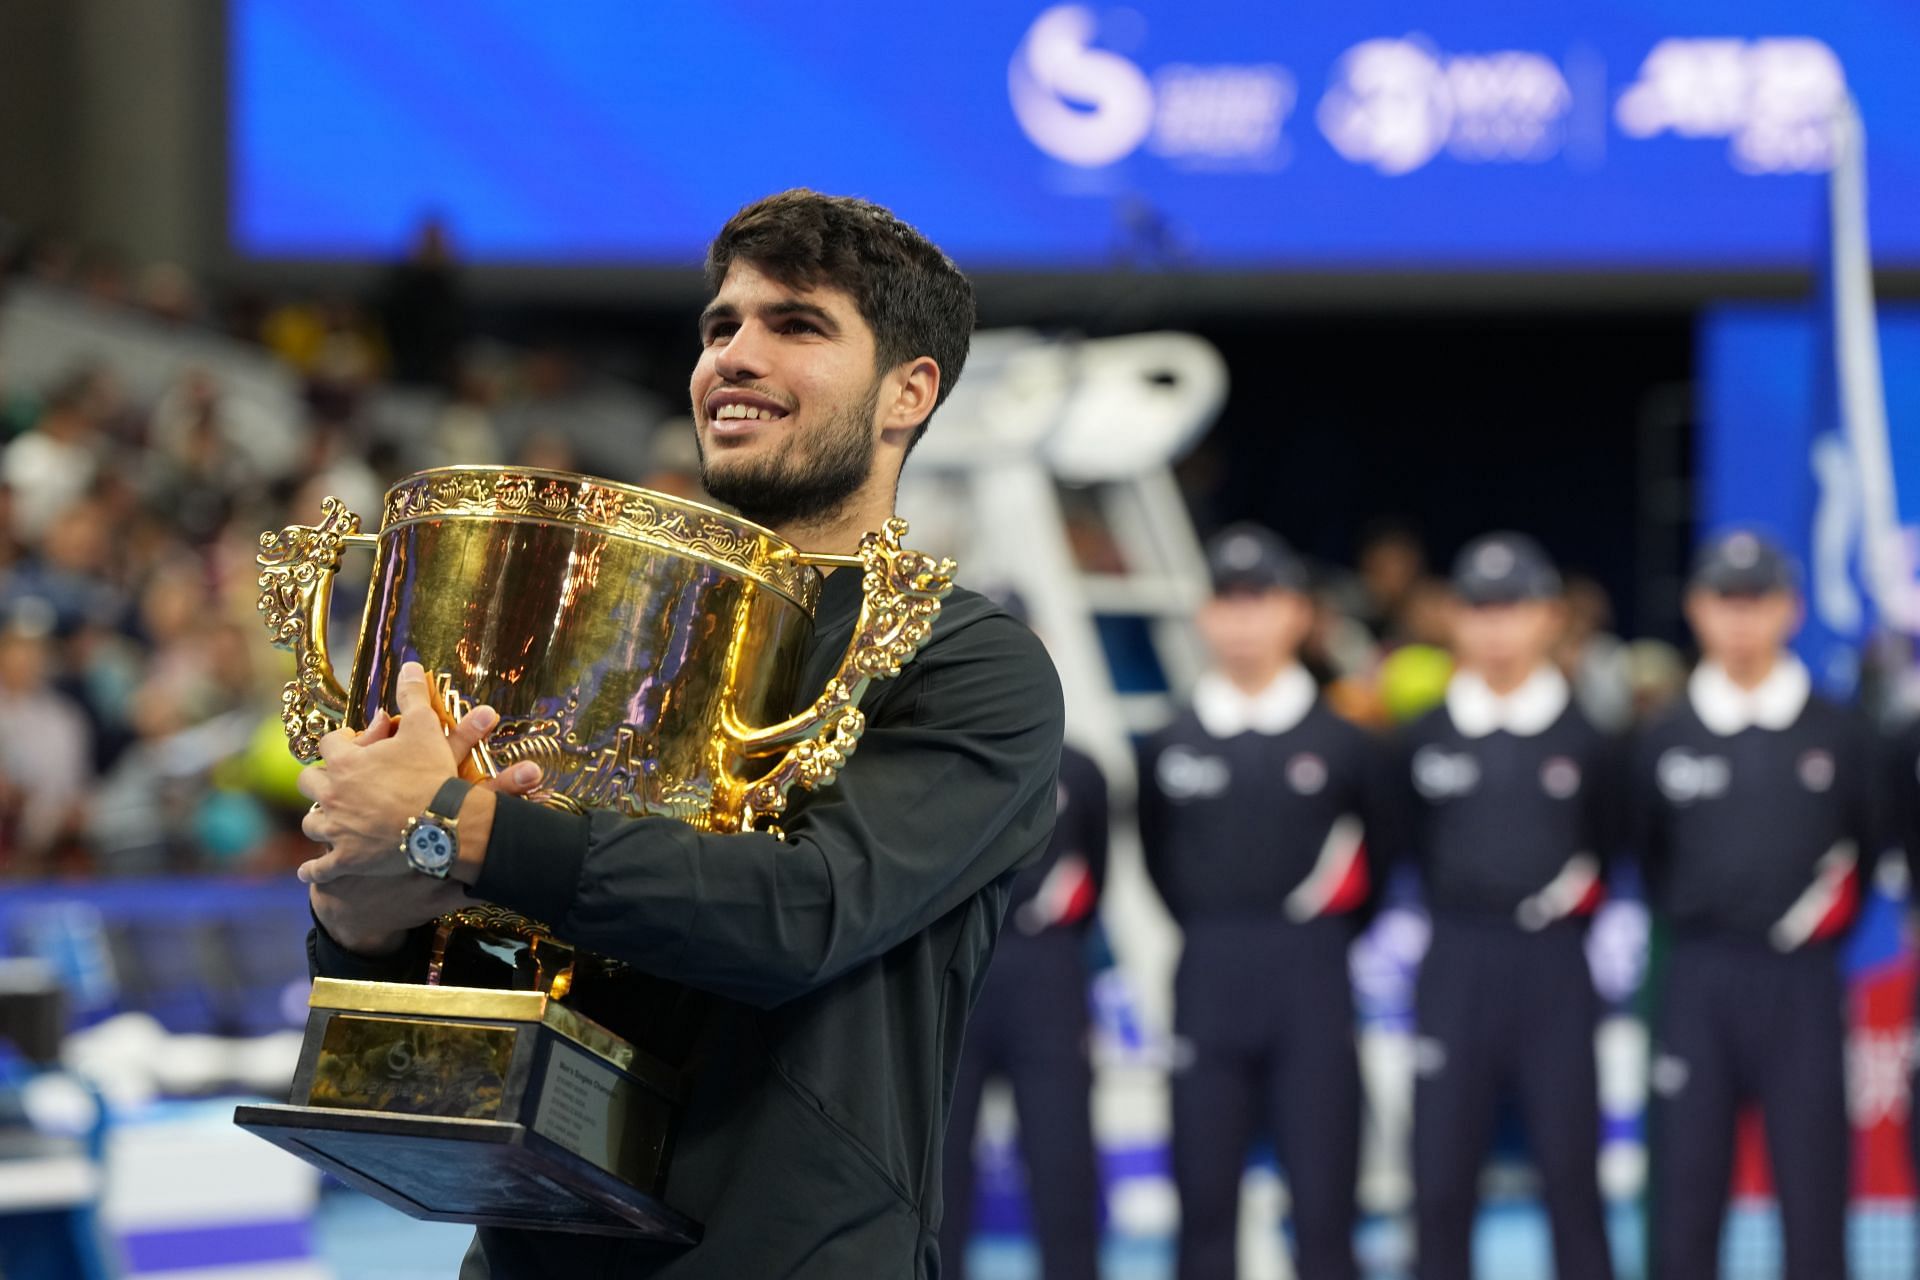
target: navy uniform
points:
(1903, 823)
(1754, 808)
(1252, 816)
(1510, 818)
(1031, 1026)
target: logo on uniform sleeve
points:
(1429, 1057)
(1816, 770)
(1439, 774)
(1183, 775)
(1684, 777)
(1560, 777)
(1669, 1075)
(1307, 774)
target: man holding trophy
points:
(837, 956)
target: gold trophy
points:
(645, 651)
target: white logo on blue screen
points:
(1091, 107)
(1396, 104)
(1772, 100)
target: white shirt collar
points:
(1476, 710)
(1775, 703)
(1225, 712)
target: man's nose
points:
(745, 355)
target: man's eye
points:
(719, 333)
(800, 326)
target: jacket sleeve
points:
(1644, 831)
(1607, 801)
(1385, 813)
(1901, 762)
(1154, 819)
(952, 787)
(1394, 813)
(1095, 837)
(328, 959)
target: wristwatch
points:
(431, 840)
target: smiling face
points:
(785, 398)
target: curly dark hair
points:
(910, 294)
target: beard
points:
(811, 478)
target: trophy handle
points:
(901, 590)
(297, 568)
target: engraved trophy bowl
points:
(645, 651)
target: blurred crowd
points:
(1381, 640)
(139, 698)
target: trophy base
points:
(490, 1173)
(496, 1108)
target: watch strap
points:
(447, 800)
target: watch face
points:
(429, 847)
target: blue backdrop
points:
(1020, 134)
(1764, 387)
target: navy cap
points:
(1246, 557)
(1743, 563)
(1504, 568)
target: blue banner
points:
(1023, 134)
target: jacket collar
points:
(1775, 703)
(1476, 710)
(1225, 712)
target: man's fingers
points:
(473, 726)
(381, 726)
(314, 825)
(314, 784)
(522, 779)
(414, 701)
(336, 743)
(320, 870)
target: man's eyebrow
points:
(807, 310)
(783, 309)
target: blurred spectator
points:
(70, 575)
(1337, 646)
(1656, 673)
(1593, 659)
(1425, 614)
(198, 467)
(102, 275)
(168, 293)
(56, 461)
(465, 433)
(423, 311)
(333, 347)
(45, 757)
(558, 410)
(675, 462)
(1390, 565)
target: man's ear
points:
(913, 388)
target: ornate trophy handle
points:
(297, 568)
(901, 590)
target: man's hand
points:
(371, 915)
(373, 782)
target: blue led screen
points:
(1023, 134)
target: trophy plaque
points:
(645, 651)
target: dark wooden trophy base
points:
(497, 1108)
